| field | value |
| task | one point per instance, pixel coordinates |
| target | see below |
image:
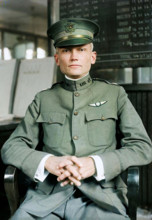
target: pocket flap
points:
(52, 117)
(99, 115)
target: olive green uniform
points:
(79, 118)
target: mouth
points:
(74, 65)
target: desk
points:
(9, 124)
(6, 128)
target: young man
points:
(77, 170)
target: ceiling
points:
(24, 15)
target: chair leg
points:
(133, 191)
(11, 188)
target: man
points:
(77, 170)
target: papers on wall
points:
(34, 75)
(8, 74)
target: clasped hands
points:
(70, 169)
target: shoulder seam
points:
(106, 81)
(55, 84)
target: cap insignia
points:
(69, 28)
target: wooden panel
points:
(141, 98)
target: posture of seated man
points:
(78, 167)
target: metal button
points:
(75, 138)
(77, 94)
(75, 113)
(102, 118)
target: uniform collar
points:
(75, 85)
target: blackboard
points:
(125, 38)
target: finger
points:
(74, 181)
(64, 183)
(76, 161)
(74, 172)
(63, 176)
(64, 164)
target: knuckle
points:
(73, 157)
(82, 176)
(67, 173)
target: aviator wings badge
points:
(97, 104)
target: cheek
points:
(89, 61)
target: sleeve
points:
(99, 168)
(136, 146)
(41, 172)
(19, 150)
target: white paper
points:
(34, 75)
(7, 77)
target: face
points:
(75, 61)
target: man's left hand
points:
(86, 170)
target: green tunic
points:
(80, 118)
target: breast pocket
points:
(101, 127)
(53, 127)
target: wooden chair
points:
(14, 191)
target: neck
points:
(80, 84)
(69, 78)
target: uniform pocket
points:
(101, 127)
(53, 126)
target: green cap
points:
(73, 31)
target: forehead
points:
(75, 46)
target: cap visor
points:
(73, 42)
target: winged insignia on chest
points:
(97, 104)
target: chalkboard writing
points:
(125, 38)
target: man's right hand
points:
(57, 166)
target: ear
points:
(56, 59)
(93, 57)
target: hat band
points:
(70, 37)
(75, 32)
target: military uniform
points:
(79, 118)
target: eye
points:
(82, 49)
(65, 50)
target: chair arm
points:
(11, 188)
(133, 191)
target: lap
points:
(76, 208)
(21, 214)
(83, 208)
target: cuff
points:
(41, 173)
(99, 168)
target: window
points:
(42, 48)
(22, 46)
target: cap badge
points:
(97, 104)
(69, 28)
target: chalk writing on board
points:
(125, 38)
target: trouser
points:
(75, 208)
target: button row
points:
(77, 94)
(76, 113)
(75, 137)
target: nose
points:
(74, 54)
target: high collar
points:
(80, 84)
